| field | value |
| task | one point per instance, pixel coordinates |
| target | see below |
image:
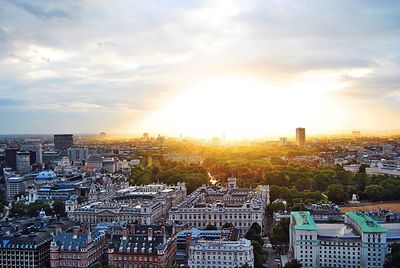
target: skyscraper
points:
(62, 142)
(300, 136)
(37, 148)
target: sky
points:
(241, 69)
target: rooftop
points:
(304, 221)
(366, 223)
(336, 230)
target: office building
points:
(357, 243)
(37, 148)
(282, 141)
(23, 162)
(11, 158)
(300, 136)
(218, 206)
(62, 142)
(143, 246)
(14, 186)
(25, 249)
(77, 249)
(77, 154)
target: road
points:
(270, 263)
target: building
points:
(23, 162)
(25, 249)
(95, 161)
(109, 164)
(358, 242)
(143, 246)
(188, 158)
(194, 246)
(14, 186)
(300, 136)
(147, 204)
(146, 136)
(77, 154)
(37, 148)
(102, 135)
(356, 133)
(77, 249)
(220, 253)
(11, 158)
(218, 206)
(62, 142)
(282, 141)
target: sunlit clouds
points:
(199, 68)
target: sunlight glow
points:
(239, 106)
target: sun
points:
(237, 107)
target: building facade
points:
(77, 154)
(145, 204)
(25, 250)
(358, 242)
(23, 162)
(62, 142)
(300, 136)
(77, 249)
(143, 246)
(224, 254)
(207, 206)
(14, 186)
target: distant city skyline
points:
(250, 69)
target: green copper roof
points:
(366, 223)
(304, 221)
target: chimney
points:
(132, 229)
(75, 232)
(125, 233)
(150, 233)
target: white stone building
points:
(219, 253)
(208, 206)
(358, 242)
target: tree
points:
(211, 227)
(227, 225)
(259, 254)
(336, 193)
(279, 234)
(256, 227)
(303, 184)
(393, 259)
(293, 264)
(275, 207)
(59, 207)
(374, 192)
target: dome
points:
(46, 175)
(42, 214)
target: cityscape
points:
(199, 134)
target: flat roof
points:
(393, 231)
(366, 223)
(336, 230)
(304, 221)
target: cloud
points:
(130, 55)
(40, 11)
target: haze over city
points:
(249, 69)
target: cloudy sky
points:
(199, 68)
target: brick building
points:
(149, 246)
(77, 249)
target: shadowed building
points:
(62, 142)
